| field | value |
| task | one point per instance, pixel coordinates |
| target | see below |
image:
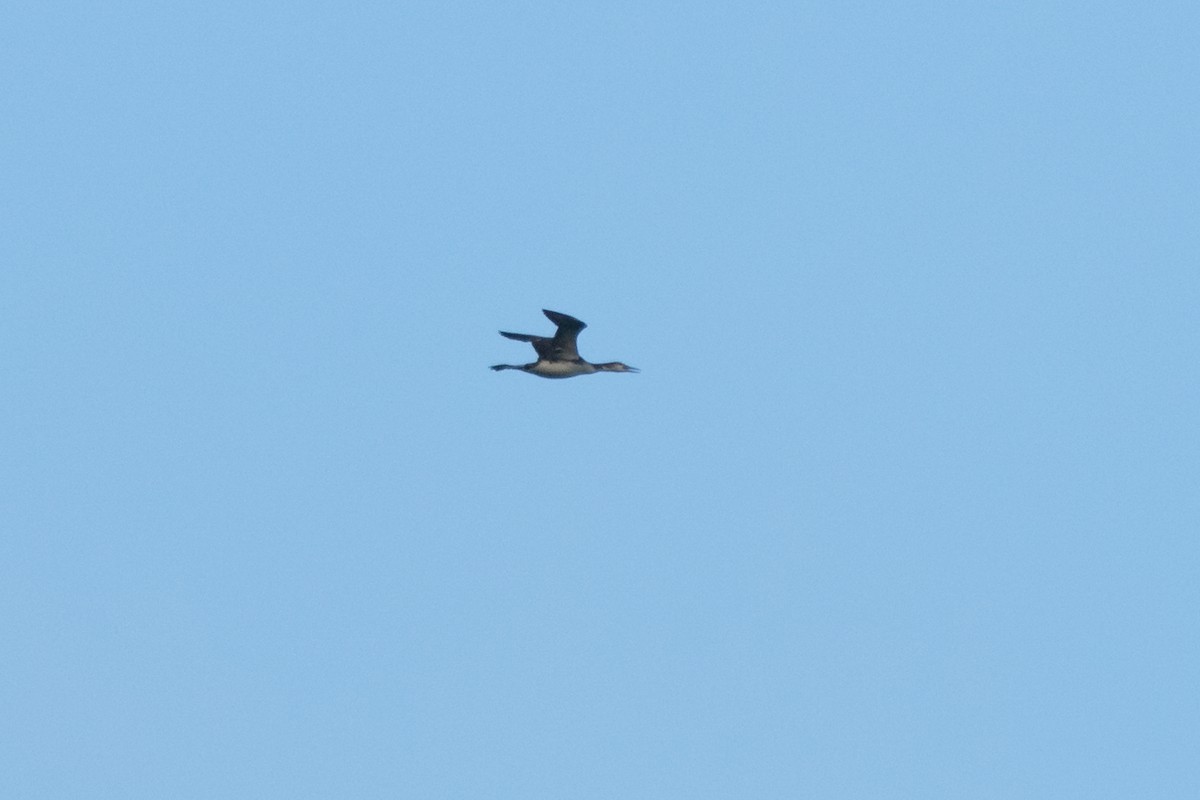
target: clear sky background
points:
(904, 502)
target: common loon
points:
(558, 357)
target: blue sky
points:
(903, 503)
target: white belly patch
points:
(561, 369)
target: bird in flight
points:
(558, 356)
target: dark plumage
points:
(558, 355)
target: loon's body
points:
(558, 356)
